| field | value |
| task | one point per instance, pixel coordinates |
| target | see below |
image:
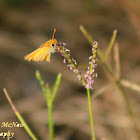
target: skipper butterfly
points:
(43, 51)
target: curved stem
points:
(26, 127)
(73, 65)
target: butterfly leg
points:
(48, 58)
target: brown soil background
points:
(25, 25)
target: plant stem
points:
(26, 127)
(49, 100)
(51, 124)
(56, 86)
(111, 43)
(129, 109)
(91, 41)
(90, 115)
(116, 81)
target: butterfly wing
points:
(39, 54)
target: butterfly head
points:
(53, 41)
(53, 44)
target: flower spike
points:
(72, 64)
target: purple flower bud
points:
(90, 57)
(93, 49)
(93, 70)
(89, 76)
(67, 50)
(74, 61)
(96, 59)
(90, 63)
(80, 79)
(95, 65)
(68, 54)
(76, 71)
(88, 72)
(63, 44)
(78, 76)
(63, 54)
(58, 44)
(71, 67)
(96, 43)
(64, 60)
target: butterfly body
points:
(43, 51)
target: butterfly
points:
(43, 51)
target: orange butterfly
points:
(43, 51)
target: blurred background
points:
(27, 24)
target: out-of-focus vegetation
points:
(25, 25)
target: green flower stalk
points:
(72, 64)
(89, 76)
(50, 96)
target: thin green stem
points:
(84, 82)
(110, 45)
(129, 109)
(125, 99)
(117, 82)
(49, 100)
(90, 115)
(26, 127)
(57, 83)
(91, 41)
(51, 123)
(117, 61)
(42, 83)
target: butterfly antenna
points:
(53, 33)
